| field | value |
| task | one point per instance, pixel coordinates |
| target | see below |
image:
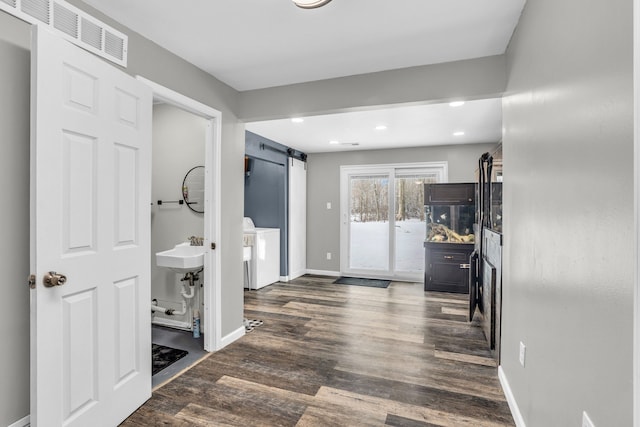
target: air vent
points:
(38, 9)
(65, 20)
(91, 34)
(113, 45)
(73, 24)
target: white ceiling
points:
(252, 44)
(435, 124)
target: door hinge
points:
(32, 281)
(213, 246)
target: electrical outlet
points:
(586, 421)
(328, 255)
(523, 352)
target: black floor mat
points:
(162, 357)
(358, 281)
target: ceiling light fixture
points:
(297, 120)
(310, 4)
(458, 133)
(334, 142)
(456, 104)
(381, 127)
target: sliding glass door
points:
(383, 226)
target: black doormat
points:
(162, 357)
(358, 281)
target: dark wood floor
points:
(339, 355)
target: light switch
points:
(328, 205)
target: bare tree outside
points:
(370, 214)
(369, 199)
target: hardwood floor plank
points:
(397, 421)
(372, 404)
(317, 417)
(369, 330)
(456, 311)
(201, 416)
(340, 355)
(469, 358)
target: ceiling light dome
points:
(310, 4)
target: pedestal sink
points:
(183, 258)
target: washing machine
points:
(264, 262)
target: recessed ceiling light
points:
(297, 120)
(334, 142)
(460, 133)
(456, 104)
(381, 127)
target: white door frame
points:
(636, 205)
(212, 274)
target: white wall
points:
(568, 213)
(178, 146)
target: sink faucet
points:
(196, 241)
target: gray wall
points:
(14, 218)
(178, 146)
(568, 208)
(156, 64)
(470, 79)
(323, 185)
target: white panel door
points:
(90, 220)
(297, 218)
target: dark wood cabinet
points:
(447, 267)
(450, 215)
(450, 194)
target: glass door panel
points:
(369, 222)
(410, 226)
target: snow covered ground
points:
(370, 245)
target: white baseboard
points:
(296, 274)
(284, 279)
(25, 422)
(324, 273)
(511, 400)
(233, 336)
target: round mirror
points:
(193, 189)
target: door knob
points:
(52, 279)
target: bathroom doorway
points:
(177, 218)
(186, 142)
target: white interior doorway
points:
(211, 276)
